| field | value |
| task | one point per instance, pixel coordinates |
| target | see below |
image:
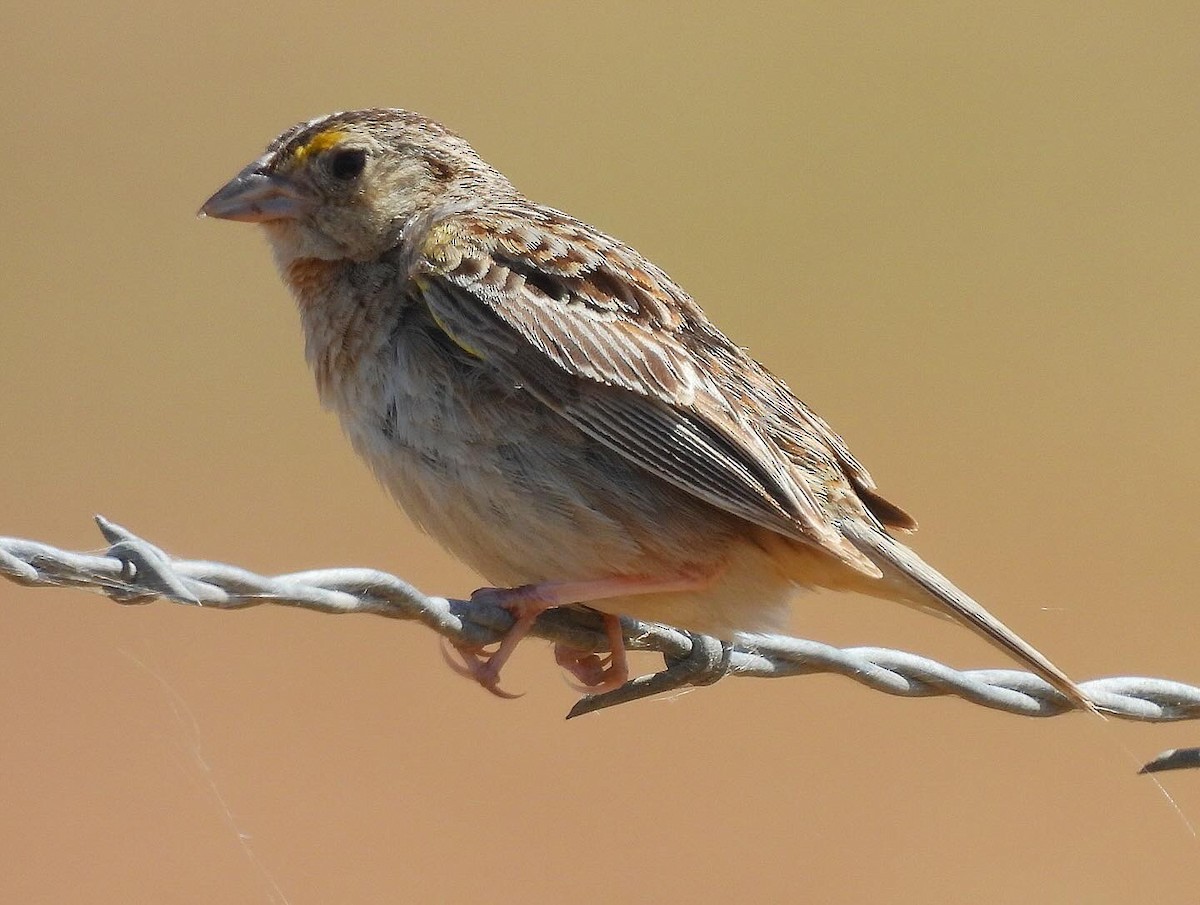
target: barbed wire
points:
(134, 571)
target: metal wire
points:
(134, 571)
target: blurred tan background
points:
(968, 238)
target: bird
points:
(558, 412)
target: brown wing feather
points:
(615, 346)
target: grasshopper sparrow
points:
(558, 412)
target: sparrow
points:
(557, 411)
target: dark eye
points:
(348, 164)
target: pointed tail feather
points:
(936, 589)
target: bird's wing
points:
(610, 342)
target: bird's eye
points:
(348, 164)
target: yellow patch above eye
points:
(322, 141)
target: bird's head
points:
(344, 186)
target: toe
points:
(524, 602)
(460, 658)
(472, 664)
(596, 674)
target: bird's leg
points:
(529, 601)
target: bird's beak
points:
(256, 196)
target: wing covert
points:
(613, 345)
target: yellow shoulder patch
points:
(440, 250)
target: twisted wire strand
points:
(134, 571)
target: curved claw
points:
(458, 664)
(501, 693)
(474, 665)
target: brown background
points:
(969, 239)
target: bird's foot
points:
(526, 602)
(597, 674)
(475, 662)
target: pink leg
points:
(527, 602)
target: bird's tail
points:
(929, 588)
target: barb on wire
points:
(134, 571)
(1173, 759)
